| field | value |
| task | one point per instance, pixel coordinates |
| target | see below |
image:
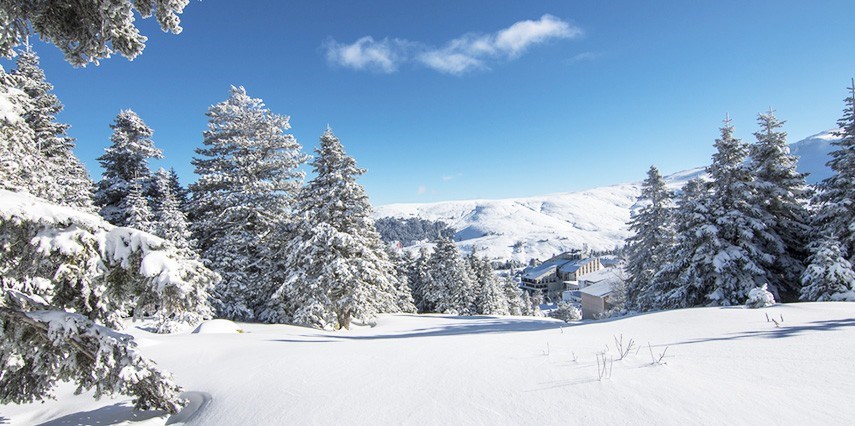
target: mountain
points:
(542, 226)
(813, 154)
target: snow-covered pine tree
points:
(681, 281)
(451, 289)
(646, 250)
(66, 177)
(21, 166)
(248, 178)
(67, 279)
(836, 197)
(514, 296)
(125, 161)
(85, 31)
(490, 298)
(829, 275)
(170, 223)
(181, 194)
(737, 257)
(402, 261)
(418, 277)
(138, 214)
(782, 196)
(337, 266)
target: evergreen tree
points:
(680, 281)
(248, 178)
(490, 298)
(125, 161)
(418, 278)
(782, 196)
(514, 296)
(829, 275)
(170, 222)
(21, 166)
(181, 194)
(338, 268)
(85, 31)
(136, 208)
(646, 250)
(451, 289)
(735, 257)
(836, 198)
(66, 177)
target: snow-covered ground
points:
(542, 226)
(722, 366)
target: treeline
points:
(411, 230)
(753, 223)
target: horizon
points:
(432, 106)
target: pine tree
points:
(248, 178)
(67, 283)
(338, 268)
(418, 277)
(836, 198)
(125, 161)
(514, 296)
(490, 297)
(646, 250)
(680, 282)
(451, 289)
(781, 195)
(736, 258)
(21, 166)
(181, 194)
(85, 31)
(829, 275)
(66, 177)
(135, 206)
(170, 222)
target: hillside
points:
(721, 366)
(541, 226)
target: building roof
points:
(540, 271)
(600, 289)
(574, 265)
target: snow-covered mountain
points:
(813, 154)
(541, 226)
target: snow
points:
(722, 366)
(813, 154)
(599, 289)
(10, 112)
(217, 326)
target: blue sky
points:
(480, 99)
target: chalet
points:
(560, 273)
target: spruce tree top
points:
(127, 157)
(333, 195)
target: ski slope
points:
(722, 366)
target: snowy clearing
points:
(722, 365)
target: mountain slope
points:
(541, 226)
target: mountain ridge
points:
(540, 226)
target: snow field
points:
(722, 366)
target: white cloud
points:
(461, 55)
(367, 54)
(422, 189)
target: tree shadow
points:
(121, 412)
(4, 420)
(780, 332)
(484, 325)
